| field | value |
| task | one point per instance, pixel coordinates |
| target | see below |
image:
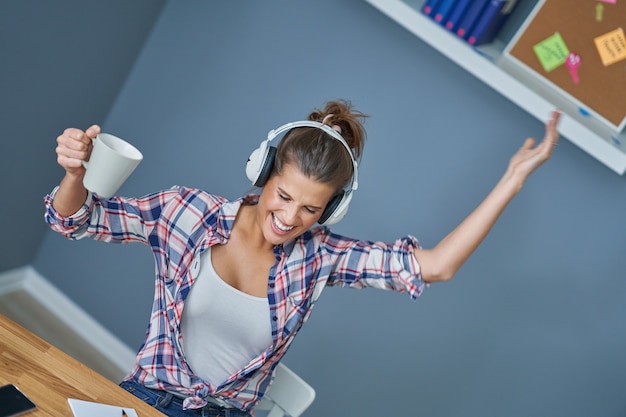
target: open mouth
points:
(280, 225)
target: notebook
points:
(82, 408)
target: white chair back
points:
(289, 395)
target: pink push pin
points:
(572, 63)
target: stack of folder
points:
(475, 21)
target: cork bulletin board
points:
(579, 46)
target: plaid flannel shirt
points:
(179, 224)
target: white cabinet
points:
(493, 68)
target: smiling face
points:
(290, 204)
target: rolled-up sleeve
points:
(68, 226)
(388, 266)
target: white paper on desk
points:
(82, 408)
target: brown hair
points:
(317, 154)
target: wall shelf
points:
(490, 66)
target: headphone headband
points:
(330, 131)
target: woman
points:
(219, 325)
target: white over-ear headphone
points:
(261, 161)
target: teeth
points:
(280, 225)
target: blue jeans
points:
(172, 406)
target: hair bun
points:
(340, 115)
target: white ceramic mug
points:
(111, 162)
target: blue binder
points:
(429, 7)
(490, 22)
(456, 14)
(443, 10)
(469, 18)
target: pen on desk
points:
(124, 413)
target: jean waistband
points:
(164, 399)
(210, 400)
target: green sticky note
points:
(552, 52)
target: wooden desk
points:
(49, 376)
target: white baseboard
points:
(32, 301)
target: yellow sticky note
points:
(611, 46)
(551, 52)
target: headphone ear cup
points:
(266, 167)
(336, 209)
(254, 163)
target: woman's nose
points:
(291, 214)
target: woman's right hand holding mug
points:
(73, 147)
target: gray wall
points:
(533, 324)
(61, 62)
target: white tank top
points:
(223, 328)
